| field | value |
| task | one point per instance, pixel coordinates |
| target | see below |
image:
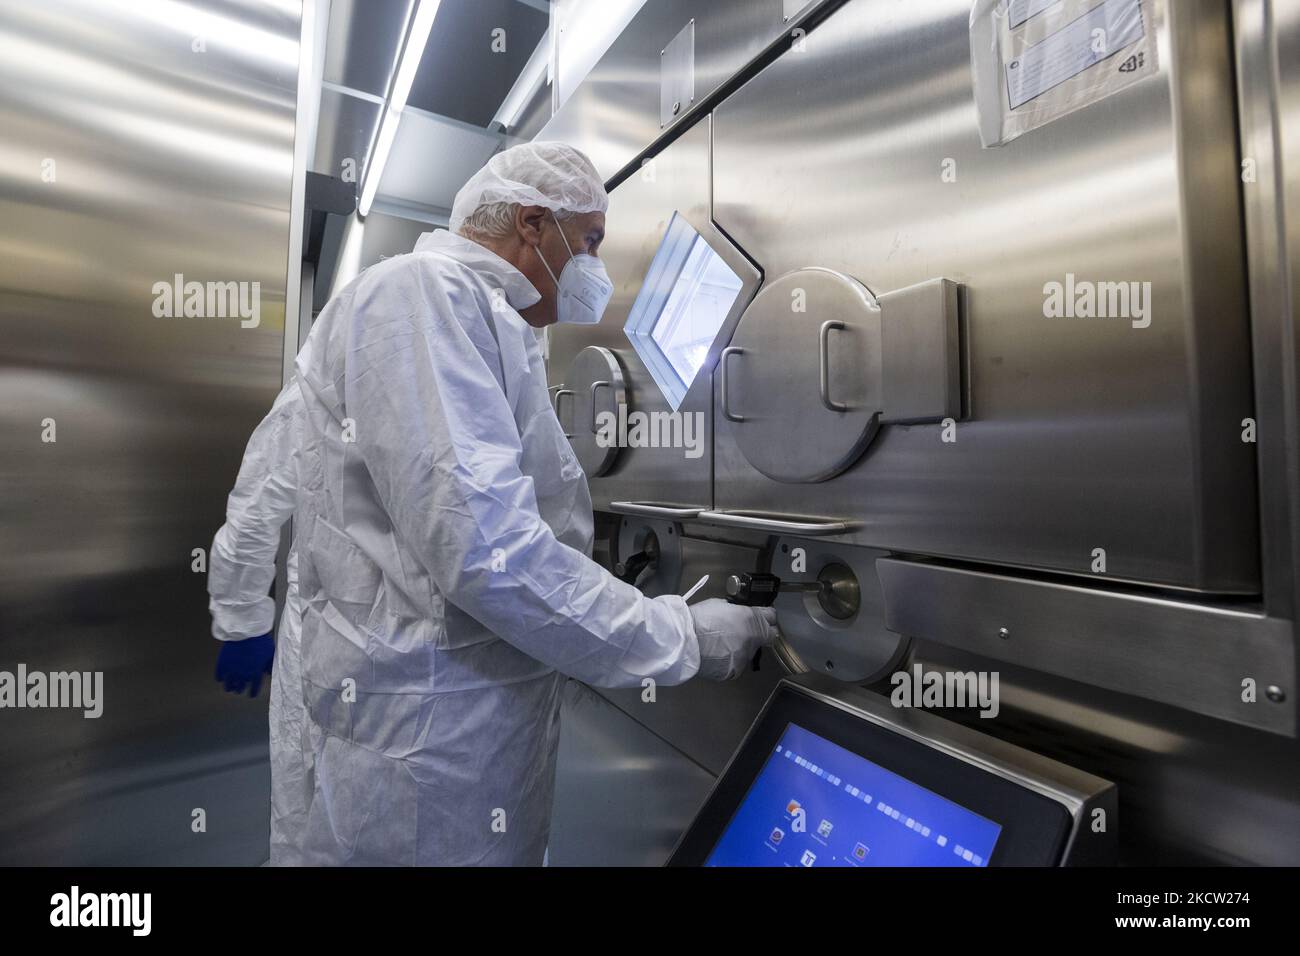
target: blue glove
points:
(242, 663)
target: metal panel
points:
(1192, 790)
(133, 157)
(581, 33)
(921, 344)
(364, 37)
(347, 126)
(623, 796)
(432, 157)
(1190, 656)
(792, 8)
(677, 76)
(1094, 192)
(473, 56)
(614, 115)
(1268, 65)
(859, 153)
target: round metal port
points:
(840, 596)
(653, 551)
(836, 628)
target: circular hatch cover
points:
(593, 384)
(801, 392)
(840, 632)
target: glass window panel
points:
(683, 304)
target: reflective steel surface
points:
(803, 397)
(141, 141)
(1074, 434)
(614, 115)
(1267, 34)
(606, 761)
(1083, 433)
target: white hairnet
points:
(552, 175)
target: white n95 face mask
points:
(583, 289)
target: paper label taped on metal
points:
(1034, 61)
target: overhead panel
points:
(345, 131)
(432, 158)
(364, 38)
(476, 51)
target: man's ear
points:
(528, 223)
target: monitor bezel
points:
(1035, 828)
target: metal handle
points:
(803, 529)
(628, 571)
(824, 342)
(729, 351)
(647, 510)
(594, 386)
(558, 393)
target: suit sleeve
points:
(441, 444)
(241, 565)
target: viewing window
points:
(687, 295)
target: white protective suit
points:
(240, 572)
(445, 529)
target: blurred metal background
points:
(141, 141)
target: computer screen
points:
(816, 804)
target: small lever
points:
(759, 589)
(628, 571)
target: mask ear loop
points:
(538, 249)
(568, 248)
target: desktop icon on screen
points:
(824, 829)
(808, 858)
(860, 852)
(777, 835)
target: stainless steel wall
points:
(614, 114)
(828, 157)
(1080, 434)
(141, 140)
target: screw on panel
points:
(1274, 693)
(1004, 633)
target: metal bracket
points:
(921, 348)
(677, 76)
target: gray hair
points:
(496, 220)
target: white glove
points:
(730, 635)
